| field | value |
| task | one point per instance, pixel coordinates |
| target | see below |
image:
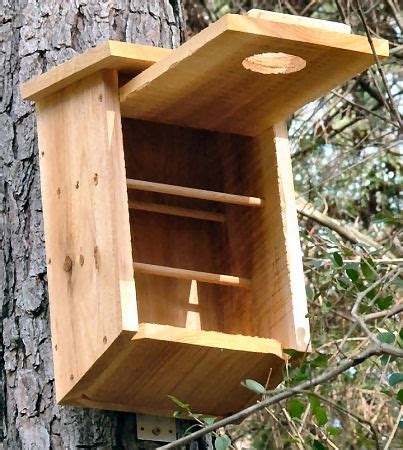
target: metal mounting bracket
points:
(153, 428)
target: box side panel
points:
(278, 278)
(83, 182)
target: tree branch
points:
(392, 104)
(306, 209)
(282, 395)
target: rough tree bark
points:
(35, 35)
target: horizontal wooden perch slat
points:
(184, 274)
(177, 211)
(201, 194)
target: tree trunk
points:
(34, 36)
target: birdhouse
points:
(174, 263)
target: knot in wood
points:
(68, 264)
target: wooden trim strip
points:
(201, 194)
(177, 211)
(121, 56)
(184, 274)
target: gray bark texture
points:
(34, 36)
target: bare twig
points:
(392, 104)
(308, 210)
(356, 417)
(392, 434)
(373, 350)
(397, 309)
(363, 108)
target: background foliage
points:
(346, 151)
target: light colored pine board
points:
(299, 20)
(177, 211)
(185, 157)
(86, 220)
(184, 274)
(222, 363)
(201, 194)
(278, 277)
(121, 56)
(202, 84)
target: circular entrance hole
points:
(274, 63)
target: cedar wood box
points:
(174, 262)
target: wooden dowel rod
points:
(184, 274)
(177, 211)
(201, 194)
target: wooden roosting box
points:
(172, 244)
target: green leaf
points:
(387, 358)
(334, 431)
(314, 401)
(368, 271)
(254, 386)
(397, 282)
(399, 396)
(352, 274)
(384, 302)
(338, 259)
(178, 402)
(347, 251)
(318, 411)
(222, 442)
(295, 408)
(317, 445)
(317, 263)
(382, 217)
(293, 353)
(320, 415)
(209, 420)
(395, 378)
(321, 360)
(386, 338)
(177, 414)
(309, 292)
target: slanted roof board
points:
(202, 84)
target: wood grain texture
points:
(90, 276)
(278, 276)
(299, 20)
(121, 56)
(194, 366)
(260, 244)
(203, 84)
